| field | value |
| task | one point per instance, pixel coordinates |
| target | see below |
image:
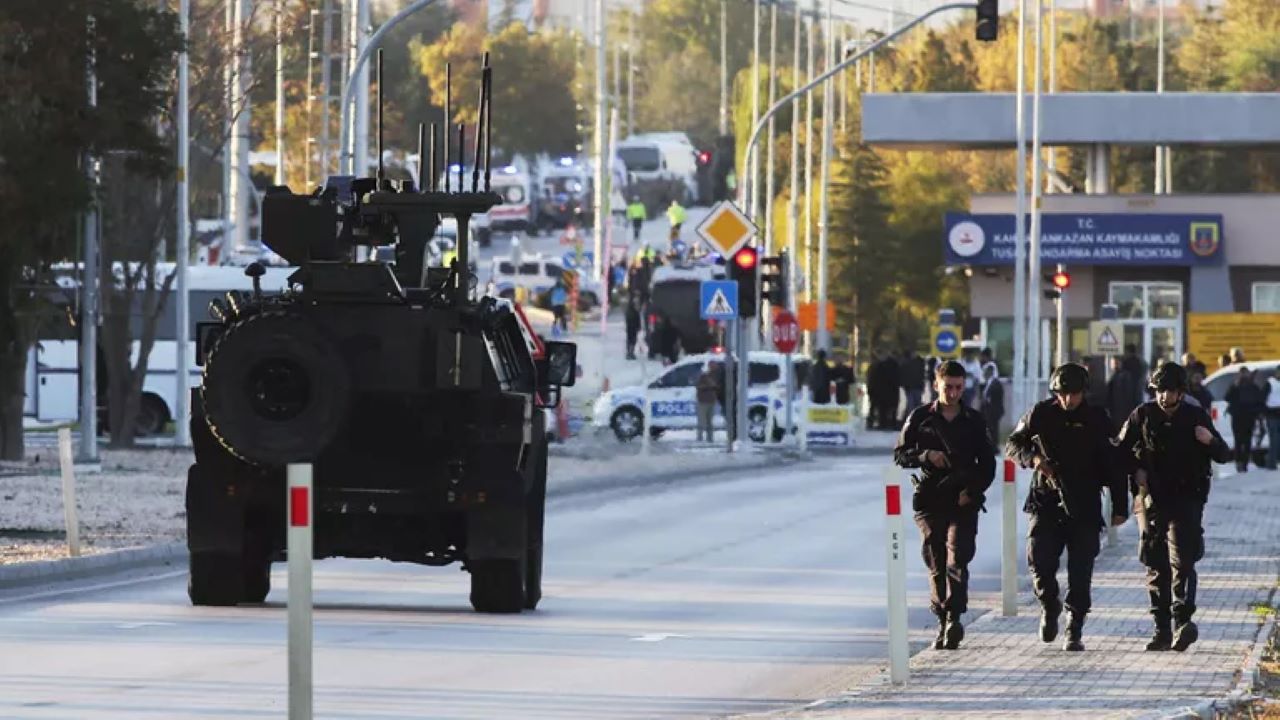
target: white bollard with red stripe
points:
(299, 514)
(895, 555)
(1009, 541)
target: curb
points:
(622, 481)
(1243, 692)
(50, 571)
(47, 571)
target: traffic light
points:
(742, 267)
(705, 176)
(1060, 280)
(773, 280)
(988, 20)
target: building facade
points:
(1178, 268)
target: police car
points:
(673, 401)
(537, 275)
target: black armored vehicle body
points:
(416, 403)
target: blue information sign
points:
(718, 299)
(1089, 239)
(946, 342)
(570, 260)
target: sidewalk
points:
(1004, 671)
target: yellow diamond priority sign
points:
(725, 229)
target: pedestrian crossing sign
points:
(718, 300)
(1106, 337)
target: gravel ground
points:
(138, 497)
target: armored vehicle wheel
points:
(533, 577)
(255, 569)
(537, 516)
(626, 423)
(497, 584)
(257, 580)
(214, 579)
(275, 389)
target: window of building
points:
(1152, 316)
(1266, 297)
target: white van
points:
(661, 158)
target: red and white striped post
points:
(299, 514)
(1009, 541)
(896, 561)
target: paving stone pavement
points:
(1003, 671)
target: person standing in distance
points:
(1167, 445)
(948, 442)
(1068, 442)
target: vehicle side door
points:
(673, 397)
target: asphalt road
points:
(690, 599)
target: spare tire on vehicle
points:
(276, 390)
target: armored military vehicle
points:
(416, 402)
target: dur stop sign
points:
(786, 332)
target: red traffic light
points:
(704, 157)
(1061, 280)
(745, 258)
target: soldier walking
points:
(1068, 442)
(1167, 446)
(948, 442)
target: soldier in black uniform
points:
(1167, 445)
(1068, 442)
(949, 443)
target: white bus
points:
(53, 365)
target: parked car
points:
(1219, 382)
(673, 403)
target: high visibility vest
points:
(636, 211)
(675, 214)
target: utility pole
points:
(1033, 257)
(182, 249)
(1164, 176)
(753, 169)
(828, 116)
(241, 186)
(793, 202)
(631, 75)
(808, 180)
(89, 277)
(1063, 337)
(280, 169)
(228, 121)
(602, 162)
(724, 73)
(768, 165)
(1020, 220)
(360, 78)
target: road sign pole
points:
(730, 382)
(786, 403)
(744, 371)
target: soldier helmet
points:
(1169, 376)
(1069, 378)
